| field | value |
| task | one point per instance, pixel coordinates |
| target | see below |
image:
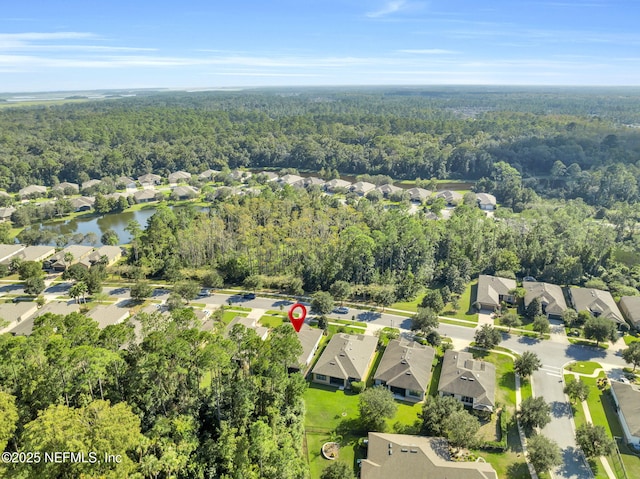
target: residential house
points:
(241, 175)
(110, 253)
(109, 314)
(550, 295)
(149, 179)
(417, 457)
(90, 184)
(451, 198)
(25, 327)
(405, 369)
(8, 251)
(65, 185)
(290, 180)
(309, 340)
(32, 191)
(83, 203)
(5, 213)
(471, 381)
(179, 177)
(208, 174)
(597, 302)
(184, 192)
(388, 190)
(126, 181)
(145, 196)
(630, 306)
(346, 359)
(627, 400)
(419, 195)
(15, 313)
(362, 188)
(486, 201)
(333, 185)
(493, 290)
(270, 175)
(248, 323)
(33, 253)
(57, 262)
(312, 181)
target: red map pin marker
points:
(297, 322)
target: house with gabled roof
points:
(597, 302)
(417, 457)
(419, 195)
(208, 174)
(109, 314)
(83, 203)
(333, 185)
(291, 180)
(312, 181)
(33, 253)
(630, 307)
(405, 369)
(240, 175)
(486, 201)
(8, 251)
(388, 189)
(471, 381)
(32, 191)
(178, 177)
(144, 196)
(451, 198)
(5, 213)
(627, 401)
(493, 290)
(362, 188)
(346, 359)
(76, 253)
(550, 295)
(128, 182)
(309, 340)
(90, 183)
(184, 192)
(248, 323)
(150, 179)
(67, 185)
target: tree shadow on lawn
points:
(508, 381)
(517, 470)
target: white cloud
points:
(389, 8)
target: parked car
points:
(204, 293)
(249, 296)
(342, 310)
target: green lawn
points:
(525, 388)
(466, 300)
(227, 316)
(630, 338)
(272, 321)
(584, 367)
(328, 410)
(348, 322)
(458, 323)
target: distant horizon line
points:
(321, 86)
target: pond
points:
(98, 225)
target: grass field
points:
(583, 367)
(227, 316)
(466, 311)
(269, 321)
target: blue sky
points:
(76, 45)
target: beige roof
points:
(66, 184)
(178, 175)
(406, 364)
(78, 251)
(598, 302)
(248, 323)
(90, 183)
(208, 173)
(7, 251)
(347, 356)
(333, 184)
(462, 375)
(630, 306)
(240, 175)
(185, 190)
(362, 187)
(388, 189)
(628, 397)
(417, 457)
(486, 199)
(490, 288)
(290, 179)
(149, 194)
(419, 194)
(36, 253)
(6, 212)
(31, 189)
(109, 314)
(449, 196)
(551, 296)
(309, 339)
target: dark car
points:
(249, 296)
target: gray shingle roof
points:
(628, 397)
(347, 356)
(491, 287)
(599, 302)
(417, 457)
(462, 375)
(630, 306)
(406, 364)
(550, 295)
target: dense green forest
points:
(566, 143)
(175, 405)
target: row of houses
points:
(405, 369)
(60, 261)
(493, 290)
